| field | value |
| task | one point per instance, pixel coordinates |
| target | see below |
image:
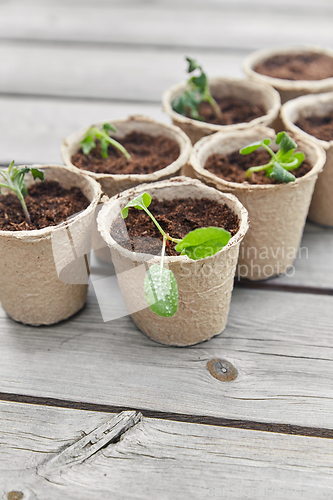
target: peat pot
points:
(115, 183)
(277, 212)
(321, 208)
(250, 91)
(204, 285)
(43, 276)
(288, 89)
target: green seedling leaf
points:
(88, 142)
(161, 291)
(197, 92)
(203, 242)
(108, 126)
(286, 143)
(140, 202)
(254, 146)
(13, 179)
(281, 174)
(284, 160)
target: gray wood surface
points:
(284, 362)
(231, 25)
(158, 459)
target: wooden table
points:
(184, 433)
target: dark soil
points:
(232, 167)
(234, 110)
(293, 66)
(148, 154)
(320, 127)
(176, 218)
(48, 204)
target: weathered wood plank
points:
(41, 124)
(280, 344)
(241, 24)
(103, 72)
(158, 459)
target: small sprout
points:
(198, 92)
(160, 285)
(88, 142)
(13, 178)
(281, 162)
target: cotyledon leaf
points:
(161, 291)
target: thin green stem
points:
(163, 252)
(258, 169)
(217, 110)
(163, 233)
(24, 206)
(121, 148)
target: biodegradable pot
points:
(43, 276)
(288, 89)
(321, 208)
(113, 184)
(277, 212)
(204, 285)
(260, 94)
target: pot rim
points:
(282, 84)
(183, 142)
(311, 100)
(272, 113)
(175, 183)
(211, 140)
(36, 234)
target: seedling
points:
(281, 162)
(198, 92)
(160, 285)
(13, 178)
(88, 142)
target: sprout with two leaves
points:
(198, 92)
(13, 178)
(160, 285)
(89, 140)
(282, 162)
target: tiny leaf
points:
(87, 144)
(161, 291)
(254, 146)
(286, 143)
(203, 242)
(192, 64)
(140, 202)
(37, 173)
(109, 126)
(281, 174)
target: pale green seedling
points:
(13, 179)
(160, 285)
(88, 142)
(284, 160)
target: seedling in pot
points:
(13, 178)
(160, 285)
(88, 142)
(282, 162)
(198, 92)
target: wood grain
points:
(103, 72)
(241, 24)
(158, 459)
(283, 357)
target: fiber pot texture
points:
(277, 212)
(43, 276)
(114, 184)
(259, 93)
(321, 208)
(204, 285)
(288, 89)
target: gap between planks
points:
(171, 416)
